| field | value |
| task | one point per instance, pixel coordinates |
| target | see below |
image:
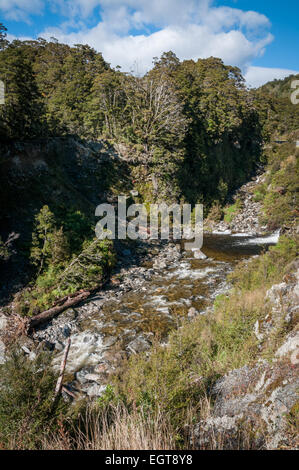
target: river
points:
(145, 302)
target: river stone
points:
(96, 390)
(66, 330)
(3, 323)
(160, 264)
(81, 375)
(192, 312)
(199, 254)
(139, 344)
(109, 341)
(92, 377)
(25, 349)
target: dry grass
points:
(116, 428)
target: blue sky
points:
(259, 36)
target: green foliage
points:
(49, 245)
(218, 149)
(88, 269)
(3, 40)
(68, 260)
(278, 114)
(77, 228)
(181, 118)
(231, 211)
(84, 271)
(27, 410)
(22, 115)
(260, 193)
(280, 203)
(178, 377)
(266, 269)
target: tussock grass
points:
(115, 428)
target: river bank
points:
(152, 291)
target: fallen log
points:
(69, 301)
(64, 299)
(47, 315)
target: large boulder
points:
(251, 408)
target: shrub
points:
(27, 410)
(85, 271)
(231, 211)
(216, 213)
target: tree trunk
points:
(70, 301)
(62, 368)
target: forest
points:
(75, 132)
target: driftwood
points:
(68, 392)
(61, 305)
(47, 315)
(62, 368)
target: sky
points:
(259, 36)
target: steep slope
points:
(71, 177)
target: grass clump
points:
(230, 212)
(113, 428)
(260, 192)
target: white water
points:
(225, 232)
(266, 240)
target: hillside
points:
(168, 349)
(282, 117)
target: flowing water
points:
(150, 300)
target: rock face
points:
(252, 401)
(256, 401)
(246, 219)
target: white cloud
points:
(224, 17)
(19, 10)
(190, 28)
(190, 42)
(258, 76)
(74, 8)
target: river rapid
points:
(147, 297)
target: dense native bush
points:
(65, 264)
(280, 201)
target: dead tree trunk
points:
(62, 368)
(60, 306)
(52, 312)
